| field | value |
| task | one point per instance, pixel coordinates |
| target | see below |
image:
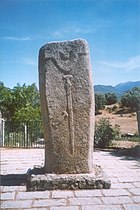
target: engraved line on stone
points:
(64, 116)
(71, 56)
(57, 65)
(70, 110)
(65, 58)
(82, 54)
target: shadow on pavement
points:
(19, 179)
(13, 179)
(129, 153)
(125, 153)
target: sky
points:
(111, 28)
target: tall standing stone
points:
(67, 103)
(66, 92)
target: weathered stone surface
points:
(67, 106)
(41, 182)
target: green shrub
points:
(104, 133)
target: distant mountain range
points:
(119, 89)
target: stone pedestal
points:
(37, 181)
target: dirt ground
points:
(126, 122)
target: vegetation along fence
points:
(22, 134)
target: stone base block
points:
(39, 181)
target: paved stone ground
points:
(123, 172)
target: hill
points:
(119, 89)
(123, 87)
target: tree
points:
(7, 106)
(100, 102)
(131, 99)
(27, 100)
(111, 98)
(27, 113)
(20, 103)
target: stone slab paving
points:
(123, 172)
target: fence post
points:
(2, 125)
(13, 135)
(25, 135)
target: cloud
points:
(15, 38)
(77, 30)
(71, 30)
(130, 64)
(57, 34)
(29, 61)
(24, 61)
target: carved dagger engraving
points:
(70, 110)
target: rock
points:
(67, 103)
